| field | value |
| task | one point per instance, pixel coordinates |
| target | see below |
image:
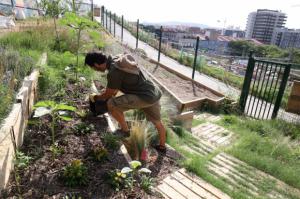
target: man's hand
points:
(92, 97)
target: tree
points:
(53, 8)
(78, 24)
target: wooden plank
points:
(193, 186)
(205, 185)
(165, 189)
(183, 190)
(293, 105)
(207, 131)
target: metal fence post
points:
(114, 24)
(106, 19)
(102, 15)
(159, 46)
(110, 21)
(92, 9)
(137, 34)
(285, 78)
(195, 57)
(247, 82)
(122, 28)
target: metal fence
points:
(263, 88)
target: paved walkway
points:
(213, 83)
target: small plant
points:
(56, 150)
(99, 154)
(111, 141)
(146, 183)
(75, 174)
(83, 128)
(117, 179)
(229, 120)
(129, 177)
(22, 160)
(82, 113)
(55, 110)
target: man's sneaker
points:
(160, 148)
(121, 133)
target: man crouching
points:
(139, 91)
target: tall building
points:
(250, 25)
(261, 25)
(288, 38)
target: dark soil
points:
(185, 90)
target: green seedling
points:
(99, 154)
(22, 160)
(83, 128)
(56, 150)
(146, 183)
(55, 110)
(75, 174)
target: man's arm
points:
(108, 93)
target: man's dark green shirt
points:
(132, 84)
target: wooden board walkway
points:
(184, 185)
(214, 134)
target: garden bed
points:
(188, 93)
(43, 176)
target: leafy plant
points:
(146, 183)
(111, 141)
(22, 160)
(78, 24)
(83, 128)
(55, 110)
(129, 177)
(75, 174)
(99, 154)
(56, 150)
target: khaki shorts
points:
(128, 101)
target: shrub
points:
(111, 141)
(75, 174)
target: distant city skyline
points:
(213, 13)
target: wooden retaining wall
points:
(13, 127)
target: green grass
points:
(270, 146)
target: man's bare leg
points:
(119, 116)
(161, 132)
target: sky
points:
(214, 13)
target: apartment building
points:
(262, 25)
(288, 38)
